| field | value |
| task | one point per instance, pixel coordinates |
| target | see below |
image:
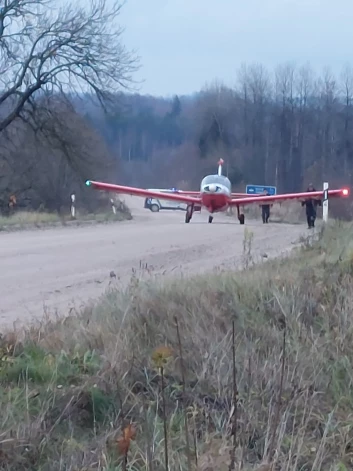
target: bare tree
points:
(327, 86)
(45, 164)
(44, 48)
(303, 130)
(304, 85)
(284, 85)
(256, 91)
(213, 114)
(13, 168)
(346, 86)
(243, 92)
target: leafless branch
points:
(74, 48)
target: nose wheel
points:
(210, 219)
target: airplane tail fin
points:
(220, 163)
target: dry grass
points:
(288, 212)
(293, 213)
(70, 387)
(26, 219)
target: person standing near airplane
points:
(310, 207)
(265, 209)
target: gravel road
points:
(58, 269)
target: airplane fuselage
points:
(215, 193)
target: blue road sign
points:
(259, 189)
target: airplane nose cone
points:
(212, 188)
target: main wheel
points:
(242, 218)
(154, 208)
(210, 219)
(189, 212)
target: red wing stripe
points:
(129, 190)
(284, 197)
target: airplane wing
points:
(129, 190)
(341, 193)
(187, 193)
(239, 195)
(197, 193)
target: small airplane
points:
(215, 195)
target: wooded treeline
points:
(284, 127)
(65, 115)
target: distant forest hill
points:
(283, 129)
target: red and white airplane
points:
(215, 195)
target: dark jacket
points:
(311, 203)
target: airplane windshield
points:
(217, 179)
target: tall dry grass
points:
(292, 212)
(287, 212)
(37, 219)
(265, 376)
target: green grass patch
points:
(38, 366)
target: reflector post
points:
(325, 203)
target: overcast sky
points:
(184, 44)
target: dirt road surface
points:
(57, 269)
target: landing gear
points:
(241, 216)
(189, 212)
(210, 219)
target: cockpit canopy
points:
(217, 180)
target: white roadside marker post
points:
(113, 205)
(73, 208)
(325, 204)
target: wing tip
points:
(88, 183)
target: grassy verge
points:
(27, 220)
(265, 355)
(291, 212)
(287, 212)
